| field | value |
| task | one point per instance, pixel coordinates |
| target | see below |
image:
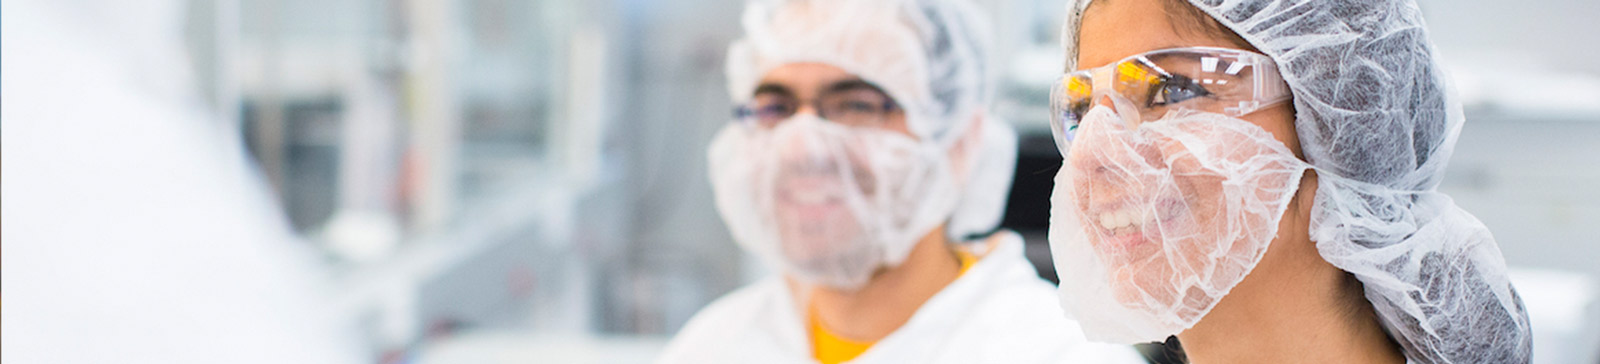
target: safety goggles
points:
(852, 103)
(1148, 86)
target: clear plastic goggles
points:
(1148, 86)
(852, 103)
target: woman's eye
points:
(1175, 89)
(1076, 110)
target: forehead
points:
(806, 79)
(1115, 29)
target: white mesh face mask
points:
(1151, 227)
(827, 203)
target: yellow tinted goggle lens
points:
(1132, 73)
(1078, 87)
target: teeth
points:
(813, 195)
(1121, 218)
(809, 195)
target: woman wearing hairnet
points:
(1199, 134)
(861, 164)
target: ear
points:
(963, 151)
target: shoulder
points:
(750, 300)
(735, 316)
(1022, 308)
(1028, 312)
(1010, 287)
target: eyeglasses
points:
(1150, 85)
(851, 103)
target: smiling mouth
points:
(1124, 227)
(809, 195)
(809, 202)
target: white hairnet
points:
(932, 56)
(1375, 117)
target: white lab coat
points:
(999, 311)
(135, 231)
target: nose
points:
(1102, 180)
(1125, 114)
(1105, 100)
(806, 108)
(1111, 162)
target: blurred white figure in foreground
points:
(134, 231)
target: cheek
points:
(1279, 120)
(1294, 229)
(1200, 186)
(860, 170)
(897, 122)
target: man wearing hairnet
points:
(1258, 178)
(862, 165)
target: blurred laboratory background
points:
(499, 181)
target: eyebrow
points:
(1090, 66)
(773, 88)
(849, 85)
(846, 85)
